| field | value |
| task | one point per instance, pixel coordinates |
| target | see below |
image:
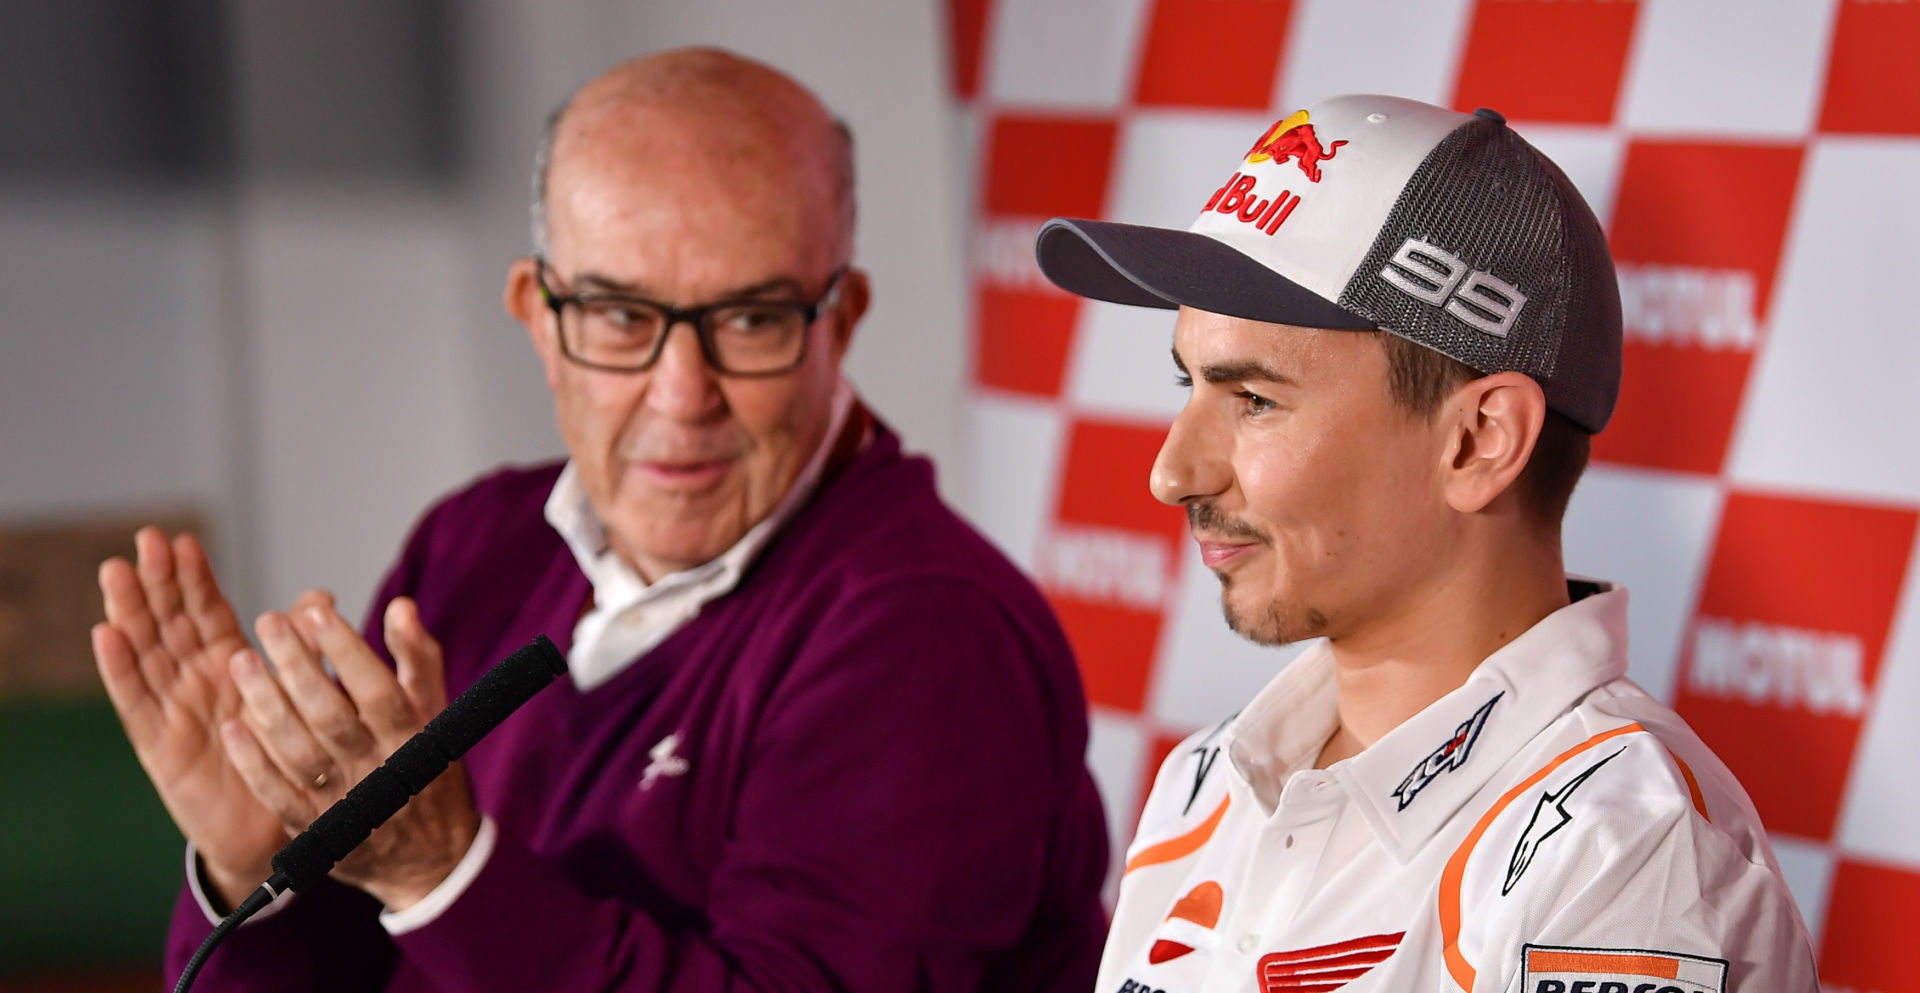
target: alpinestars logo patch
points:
(1549, 816)
(1449, 756)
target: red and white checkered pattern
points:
(1757, 163)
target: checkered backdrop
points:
(1757, 163)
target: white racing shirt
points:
(1548, 827)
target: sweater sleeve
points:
(328, 938)
(891, 830)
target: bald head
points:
(690, 179)
(702, 101)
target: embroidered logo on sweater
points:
(1449, 756)
(1559, 969)
(1327, 967)
(664, 762)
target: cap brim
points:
(1161, 267)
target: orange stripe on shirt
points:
(1457, 964)
(1183, 846)
(1693, 785)
(1654, 966)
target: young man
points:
(1400, 327)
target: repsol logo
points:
(1609, 986)
(1815, 671)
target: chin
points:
(1269, 620)
(689, 551)
(659, 537)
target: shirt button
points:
(1289, 841)
(1248, 942)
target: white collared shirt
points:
(1548, 827)
(630, 615)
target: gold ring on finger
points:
(320, 781)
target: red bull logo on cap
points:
(1237, 198)
(1294, 138)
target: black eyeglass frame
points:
(696, 317)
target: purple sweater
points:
(886, 788)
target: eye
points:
(1256, 404)
(1183, 380)
(751, 320)
(615, 316)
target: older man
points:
(818, 734)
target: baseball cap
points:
(1376, 212)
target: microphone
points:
(342, 827)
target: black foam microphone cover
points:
(343, 826)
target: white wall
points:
(116, 389)
(309, 362)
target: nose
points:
(1192, 464)
(681, 385)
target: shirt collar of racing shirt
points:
(618, 588)
(1410, 783)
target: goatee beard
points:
(1274, 623)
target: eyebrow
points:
(593, 281)
(1236, 372)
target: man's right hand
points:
(163, 654)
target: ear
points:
(1493, 423)
(525, 304)
(856, 294)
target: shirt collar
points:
(1283, 729)
(1412, 781)
(614, 582)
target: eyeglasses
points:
(619, 333)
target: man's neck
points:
(1425, 649)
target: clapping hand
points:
(163, 654)
(244, 755)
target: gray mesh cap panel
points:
(1491, 256)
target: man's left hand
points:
(304, 740)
